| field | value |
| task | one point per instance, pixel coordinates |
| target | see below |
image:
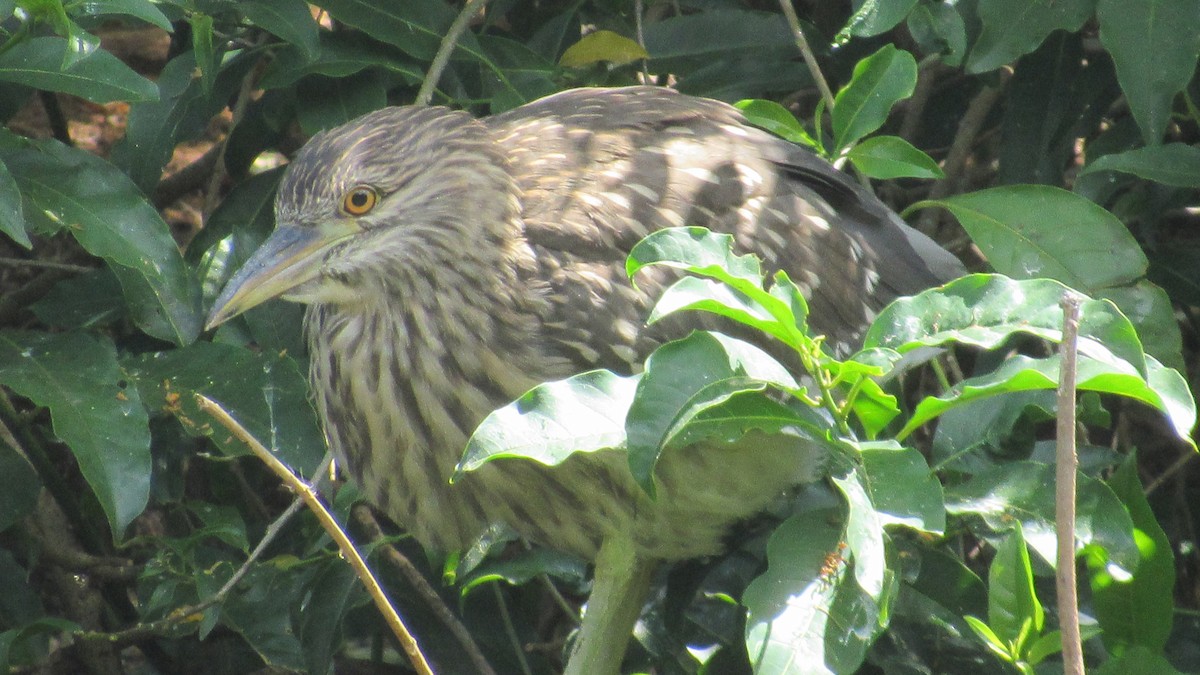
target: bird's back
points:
(601, 168)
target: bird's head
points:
(399, 186)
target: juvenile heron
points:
(450, 264)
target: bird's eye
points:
(359, 200)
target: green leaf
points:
(873, 17)
(329, 102)
(1138, 611)
(82, 301)
(204, 51)
(526, 566)
(864, 534)
(289, 20)
(100, 77)
(902, 488)
(415, 26)
(1024, 492)
(67, 188)
(266, 392)
(336, 590)
(682, 379)
(989, 637)
(1028, 231)
(1153, 44)
(340, 54)
(1152, 312)
(1161, 388)
(19, 489)
(602, 46)
(806, 613)
(781, 312)
(1138, 660)
(552, 421)
(686, 41)
(1014, 612)
(139, 9)
(1175, 164)
(12, 218)
(888, 157)
(776, 119)
(1013, 28)
(985, 310)
(938, 28)
(93, 411)
(262, 614)
(879, 81)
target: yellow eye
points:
(359, 200)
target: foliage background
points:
(130, 123)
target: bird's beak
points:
(288, 258)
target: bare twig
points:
(1067, 462)
(810, 59)
(1184, 459)
(46, 265)
(331, 527)
(366, 519)
(191, 177)
(442, 58)
(960, 149)
(213, 194)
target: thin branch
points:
(810, 59)
(960, 149)
(191, 177)
(1066, 467)
(366, 519)
(1185, 458)
(213, 194)
(331, 527)
(46, 265)
(442, 58)
(510, 630)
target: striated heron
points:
(450, 264)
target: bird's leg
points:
(622, 579)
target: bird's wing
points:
(600, 169)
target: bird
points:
(451, 263)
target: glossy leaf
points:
(1014, 613)
(19, 485)
(1154, 45)
(1175, 164)
(93, 410)
(1029, 231)
(12, 217)
(1024, 492)
(552, 421)
(1162, 388)
(100, 77)
(986, 310)
(339, 55)
(1137, 611)
(98, 205)
(879, 81)
(903, 490)
(1013, 28)
(872, 17)
(329, 102)
(138, 9)
(937, 27)
(290, 21)
(776, 119)
(806, 613)
(682, 379)
(266, 393)
(888, 157)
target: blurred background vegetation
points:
(142, 144)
